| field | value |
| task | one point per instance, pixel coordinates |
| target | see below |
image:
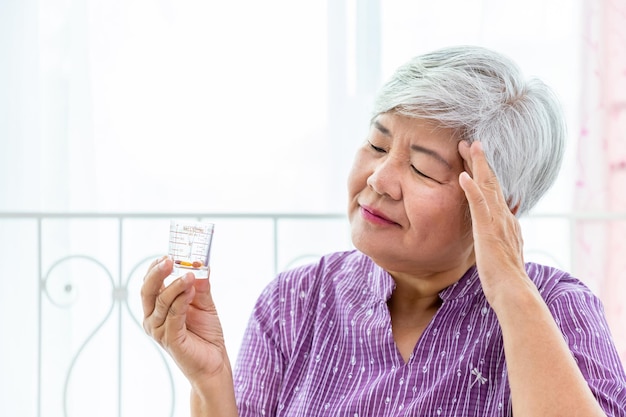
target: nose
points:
(385, 179)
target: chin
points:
(380, 252)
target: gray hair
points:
(483, 96)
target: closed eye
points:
(417, 171)
(376, 148)
(421, 174)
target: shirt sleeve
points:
(282, 322)
(580, 316)
(260, 363)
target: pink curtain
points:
(600, 232)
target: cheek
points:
(447, 209)
(463, 217)
(357, 178)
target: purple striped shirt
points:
(319, 343)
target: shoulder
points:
(329, 270)
(287, 309)
(554, 283)
(575, 308)
(572, 303)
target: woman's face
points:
(406, 208)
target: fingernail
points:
(161, 263)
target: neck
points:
(421, 291)
(411, 308)
(410, 296)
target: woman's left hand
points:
(542, 373)
(498, 243)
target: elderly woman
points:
(435, 311)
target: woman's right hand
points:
(182, 318)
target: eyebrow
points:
(414, 147)
(434, 154)
(382, 128)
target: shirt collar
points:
(382, 284)
(466, 285)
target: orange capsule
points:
(185, 263)
(197, 264)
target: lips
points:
(375, 216)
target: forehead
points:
(415, 130)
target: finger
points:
(164, 301)
(203, 299)
(153, 282)
(155, 262)
(479, 208)
(485, 176)
(468, 180)
(464, 151)
(479, 163)
(175, 316)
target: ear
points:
(514, 209)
